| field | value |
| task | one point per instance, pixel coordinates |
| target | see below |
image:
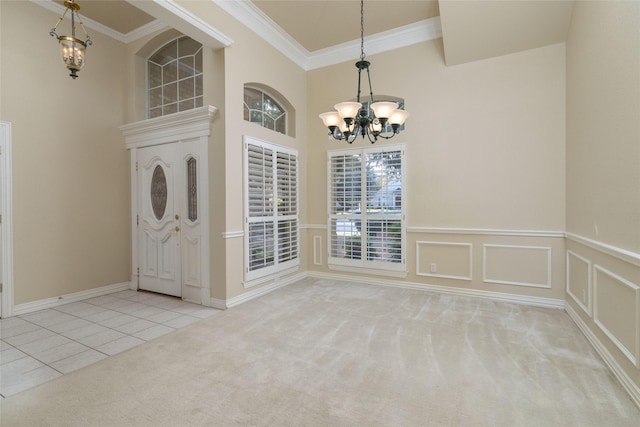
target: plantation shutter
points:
(345, 174)
(366, 210)
(287, 172)
(271, 206)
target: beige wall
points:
(603, 178)
(70, 169)
(248, 60)
(485, 151)
(503, 156)
(603, 123)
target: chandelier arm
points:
(359, 80)
(370, 88)
(372, 137)
(55, 27)
(387, 137)
(88, 41)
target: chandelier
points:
(353, 118)
(72, 50)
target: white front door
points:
(169, 219)
(170, 213)
(159, 220)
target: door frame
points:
(6, 226)
(191, 125)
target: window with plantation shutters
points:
(271, 207)
(366, 210)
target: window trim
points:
(252, 277)
(363, 265)
(197, 98)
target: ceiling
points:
(471, 29)
(319, 24)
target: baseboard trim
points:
(68, 298)
(218, 303)
(255, 293)
(609, 360)
(495, 296)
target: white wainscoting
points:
(510, 255)
(619, 253)
(616, 369)
(486, 232)
(449, 250)
(614, 308)
(579, 272)
(449, 290)
(620, 321)
(233, 234)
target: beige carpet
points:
(324, 353)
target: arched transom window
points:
(174, 76)
(263, 109)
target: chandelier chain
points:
(362, 55)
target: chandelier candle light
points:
(72, 49)
(352, 118)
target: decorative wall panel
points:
(444, 259)
(579, 286)
(517, 265)
(617, 311)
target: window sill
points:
(368, 270)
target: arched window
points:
(174, 77)
(262, 108)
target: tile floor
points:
(43, 345)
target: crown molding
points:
(144, 31)
(418, 32)
(129, 37)
(174, 8)
(256, 20)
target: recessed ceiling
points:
(479, 29)
(117, 15)
(318, 24)
(471, 29)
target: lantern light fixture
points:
(72, 49)
(353, 118)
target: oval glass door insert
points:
(158, 192)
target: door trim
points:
(187, 125)
(6, 209)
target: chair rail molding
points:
(486, 231)
(622, 254)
